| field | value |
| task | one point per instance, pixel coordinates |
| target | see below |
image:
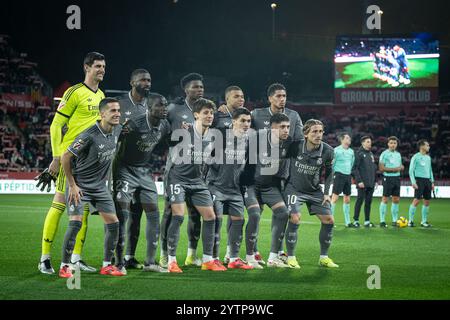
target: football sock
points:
(325, 236)
(134, 229)
(383, 208)
(192, 252)
(235, 237)
(173, 234)
(206, 258)
(412, 212)
(291, 238)
(81, 237)
(75, 258)
(425, 210)
(165, 222)
(208, 237)
(69, 240)
(394, 212)
(251, 229)
(193, 229)
(111, 238)
(152, 235)
(51, 226)
(280, 218)
(346, 209)
(217, 228)
(122, 215)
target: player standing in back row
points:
(277, 96)
(78, 110)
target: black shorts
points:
(342, 183)
(391, 186)
(424, 189)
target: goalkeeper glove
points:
(45, 179)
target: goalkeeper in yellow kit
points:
(78, 111)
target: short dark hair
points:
(104, 103)
(274, 87)
(156, 98)
(231, 88)
(421, 142)
(393, 138)
(91, 57)
(203, 103)
(240, 111)
(342, 135)
(364, 138)
(190, 77)
(278, 118)
(311, 122)
(138, 71)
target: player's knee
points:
(346, 199)
(295, 218)
(395, 199)
(326, 219)
(385, 200)
(76, 218)
(426, 203)
(281, 213)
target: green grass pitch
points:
(423, 72)
(414, 262)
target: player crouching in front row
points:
(93, 150)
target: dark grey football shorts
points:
(313, 201)
(249, 194)
(227, 203)
(133, 184)
(195, 194)
(98, 201)
(269, 195)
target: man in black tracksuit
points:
(364, 171)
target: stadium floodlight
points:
(379, 13)
(273, 6)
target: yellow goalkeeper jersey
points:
(78, 110)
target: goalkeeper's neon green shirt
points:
(78, 110)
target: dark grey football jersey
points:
(261, 120)
(187, 159)
(128, 109)
(138, 140)
(93, 150)
(177, 114)
(225, 176)
(306, 167)
(271, 160)
(222, 120)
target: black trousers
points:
(364, 195)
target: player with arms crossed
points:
(391, 165)
(133, 174)
(309, 158)
(223, 181)
(422, 180)
(78, 110)
(344, 158)
(87, 177)
(185, 183)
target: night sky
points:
(225, 39)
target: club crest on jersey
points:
(77, 144)
(101, 146)
(319, 161)
(266, 123)
(127, 113)
(283, 153)
(184, 116)
(226, 124)
(144, 136)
